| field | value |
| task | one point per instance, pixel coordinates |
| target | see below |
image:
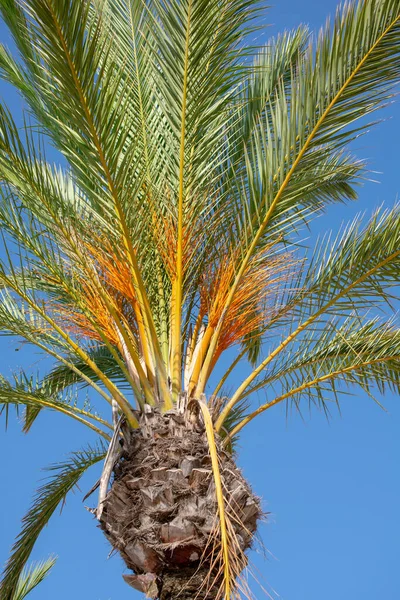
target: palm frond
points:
(353, 354)
(311, 124)
(63, 376)
(32, 576)
(235, 416)
(329, 93)
(362, 263)
(36, 395)
(64, 477)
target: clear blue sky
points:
(333, 489)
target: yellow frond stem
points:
(220, 497)
(144, 345)
(193, 339)
(75, 413)
(228, 372)
(299, 389)
(163, 315)
(195, 382)
(172, 329)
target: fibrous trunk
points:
(161, 512)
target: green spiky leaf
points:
(31, 576)
(63, 479)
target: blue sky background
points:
(332, 489)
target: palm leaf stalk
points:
(190, 162)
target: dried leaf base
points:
(161, 511)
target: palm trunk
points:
(161, 511)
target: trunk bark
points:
(161, 511)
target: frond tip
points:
(31, 577)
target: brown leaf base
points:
(161, 511)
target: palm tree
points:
(168, 237)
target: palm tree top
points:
(190, 161)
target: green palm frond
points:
(63, 376)
(64, 477)
(272, 68)
(309, 125)
(358, 269)
(36, 395)
(366, 355)
(333, 347)
(42, 208)
(32, 576)
(236, 416)
(331, 90)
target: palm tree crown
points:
(193, 160)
